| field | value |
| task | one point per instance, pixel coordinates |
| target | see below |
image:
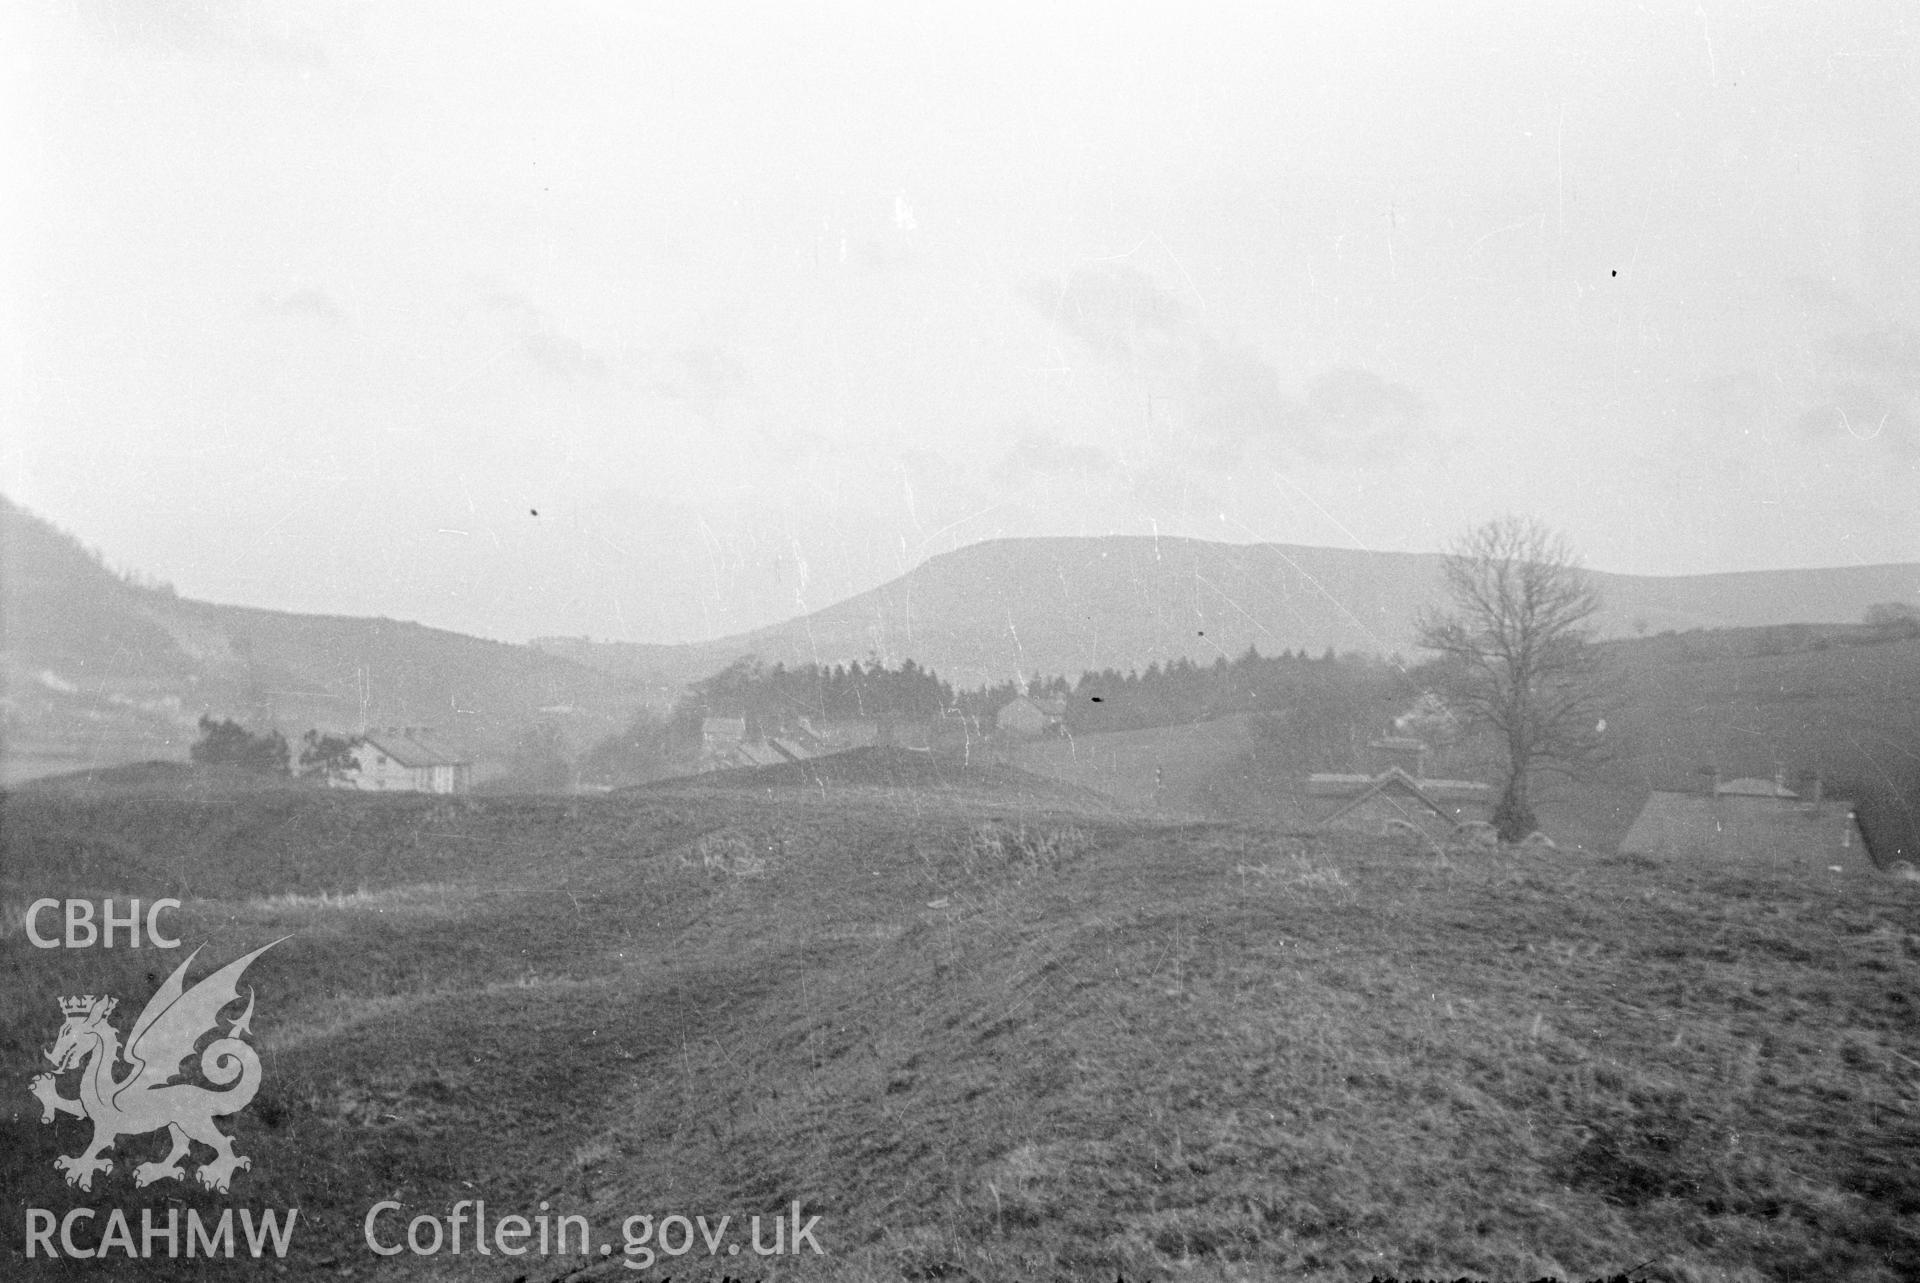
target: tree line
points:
(1323, 709)
(225, 742)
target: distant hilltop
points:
(1013, 608)
(101, 668)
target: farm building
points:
(722, 744)
(1397, 789)
(726, 745)
(1030, 718)
(839, 736)
(406, 759)
(1750, 822)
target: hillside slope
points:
(99, 670)
(1826, 702)
(1045, 606)
(1005, 1042)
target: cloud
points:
(1863, 412)
(308, 302)
(1888, 352)
(704, 375)
(712, 371)
(1239, 402)
(1231, 396)
(1038, 457)
(550, 350)
(287, 33)
(1352, 406)
(1119, 315)
(1815, 293)
(1867, 388)
(1171, 491)
(881, 255)
(559, 356)
(1237, 399)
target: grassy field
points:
(992, 1031)
(1194, 761)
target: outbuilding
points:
(1752, 822)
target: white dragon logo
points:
(146, 1098)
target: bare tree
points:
(1517, 659)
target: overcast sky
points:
(315, 306)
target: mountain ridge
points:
(101, 669)
(1045, 605)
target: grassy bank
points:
(1016, 1040)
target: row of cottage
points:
(1748, 820)
(413, 759)
(730, 742)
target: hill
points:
(1838, 703)
(1001, 1041)
(1045, 606)
(101, 669)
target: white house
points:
(1027, 717)
(406, 759)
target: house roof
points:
(1329, 784)
(1045, 707)
(1692, 824)
(1456, 790)
(1391, 781)
(1748, 786)
(724, 727)
(792, 749)
(414, 748)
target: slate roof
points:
(414, 748)
(1050, 708)
(759, 754)
(724, 728)
(1748, 786)
(1330, 784)
(1396, 781)
(1727, 827)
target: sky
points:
(657, 323)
